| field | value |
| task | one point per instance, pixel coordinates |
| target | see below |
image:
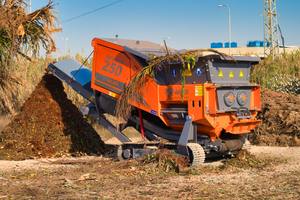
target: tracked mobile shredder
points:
(214, 118)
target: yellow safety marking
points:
(221, 74)
(187, 72)
(198, 91)
(241, 74)
(231, 74)
(112, 94)
(91, 98)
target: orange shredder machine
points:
(213, 119)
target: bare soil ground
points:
(103, 178)
(46, 154)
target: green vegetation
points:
(280, 74)
(15, 93)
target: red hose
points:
(142, 124)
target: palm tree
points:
(22, 32)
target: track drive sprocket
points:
(197, 154)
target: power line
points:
(92, 11)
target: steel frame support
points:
(96, 112)
(112, 129)
(72, 83)
(271, 39)
(189, 133)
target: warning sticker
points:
(174, 72)
(112, 94)
(91, 98)
(231, 74)
(241, 74)
(198, 71)
(221, 74)
(187, 72)
(198, 91)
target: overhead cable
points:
(92, 11)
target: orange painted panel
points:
(113, 68)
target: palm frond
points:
(137, 83)
(22, 32)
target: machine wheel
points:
(197, 154)
(247, 145)
(124, 153)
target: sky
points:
(190, 24)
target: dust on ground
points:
(104, 178)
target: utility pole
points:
(229, 27)
(30, 51)
(282, 38)
(271, 39)
(65, 39)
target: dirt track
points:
(292, 153)
(98, 177)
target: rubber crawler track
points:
(198, 154)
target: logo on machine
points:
(109, 81)
(169, 92)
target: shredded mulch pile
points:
(48, 125)
(280, 120)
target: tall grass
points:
(269, 68)
(14, 94)
(30, 73)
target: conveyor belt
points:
(75, 75)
